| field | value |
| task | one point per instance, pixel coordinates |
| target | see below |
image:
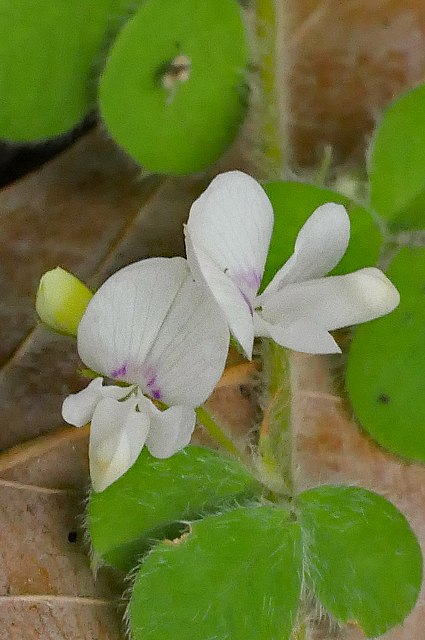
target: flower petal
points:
(228, 233)
(170, 431)
(236, 309)
(124, 317)
(117, 435)
(320, 245)
(305, 336)
(189, 353)
(78, 408)
(333, 302)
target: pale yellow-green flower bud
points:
(61, 300)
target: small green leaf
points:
(173, 92)
(397, 162)
(293, 203)
(48, 51)
(61, 300)
(235, 575)
(386, 365)
(363, 561)
(148, 500)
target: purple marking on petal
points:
(251, 279)
(248, 302)
(152, 387)
(120, 371)
(248, 283)
(151, 381)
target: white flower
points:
(227, 239)
(151, 326)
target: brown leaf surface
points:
(345, 61)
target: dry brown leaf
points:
(345, 61)
(47, 590)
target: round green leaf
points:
(397, 162)
(47, 51)
(173, 91)
(363, 561)
(293, 203)
(147, 501)
(386, 365)
(235, 575)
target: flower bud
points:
(61, 300)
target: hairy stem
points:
(275, 432)
(268, 26)
(215, 431)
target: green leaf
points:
(293, 203)
(48, 51)
(397, 162)
(386, 365)
(235, 575)
(173, 92)
(147, 502)
(362, 559)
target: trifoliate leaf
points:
(293, 203)
(148, 500)
(386, 365)
(235, 575)
(397, 162)
(173, 91)
(362, 560)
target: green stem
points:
(268, 27)
(275, 441)
(216, 432)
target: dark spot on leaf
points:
(383, 398)
(72, 536)
(245, 391)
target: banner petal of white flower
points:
(305, 336)
(123, 318)
(334, 302)
(236, 309)
(117, 435)
(189, 353)
(170, 431)
(320, 245)
(78, 408)
(229, 230)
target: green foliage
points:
(148, 500)
(235, 575)
(48, 51)
(397, 162)
(363, 561)
(293, 203)
(177, 118)
(385, 373)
